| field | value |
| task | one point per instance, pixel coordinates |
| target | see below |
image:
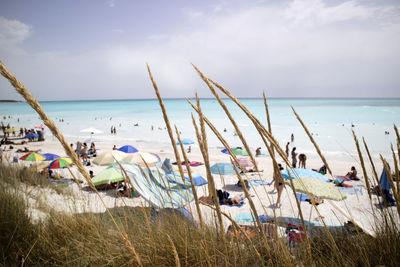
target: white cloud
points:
(111, 3)
(13, 32)
(120, 31)
(296, 49)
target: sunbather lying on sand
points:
(25, 150)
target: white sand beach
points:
(356, 206)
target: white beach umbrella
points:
(91, 130)
(107, 157)
(138, 157)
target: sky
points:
(83, 50)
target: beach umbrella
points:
(128, 149)
(108, 175)
(384, 181)
(245, 162)
(32, 156)
(300, 172)
(40, 165)
(41, 126)
(11, 130)
(140, 156)
(49, 156)
(107, 157)
(186, 141)
(60, 163)
(237, 151)
(91, 130)
(317, 187)
(31, 135)
(223, 168)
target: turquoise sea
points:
(329, 120)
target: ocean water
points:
(329, 120)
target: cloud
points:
(13, 32)
(119, 31)
(298, 48)
(304, 11)
(111, 3)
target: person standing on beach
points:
(294, 157)
(302, 160)
(279, 185)
(287, 149)
(292, 138)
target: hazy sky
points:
(98, 49)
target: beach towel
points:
(356, 190)
(343, 178)
(244, 217)
(191, 163)
(259, 182)
(302, 197)
(154, 187)
(206, 200)
(247, 217)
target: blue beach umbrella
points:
(186, 141)
(384, 181)
(223, 168)
(49, 156)
(128, 149)
(31, 135)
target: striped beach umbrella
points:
(317, 187)
(60, 163)
(32, 156)
(245, 162)
(50, 156)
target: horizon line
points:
(204, 98)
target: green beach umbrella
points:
(237, 151)
(109, 175)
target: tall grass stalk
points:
(362, 164)
(202, 139)
(212, 127)
(237, 130)
(312, 141)
(196, 199)
(167, 123)
(24, 92)
(396, 171)
(371, 161)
